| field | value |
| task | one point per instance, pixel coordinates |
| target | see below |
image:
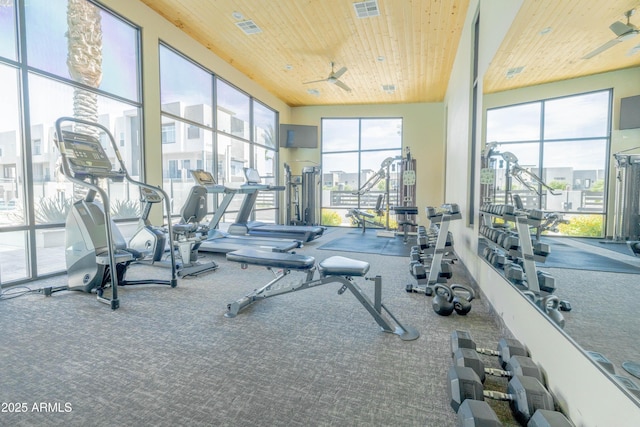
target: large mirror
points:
(554, 143)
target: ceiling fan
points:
(622, 31)
(334, 78)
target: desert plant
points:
(52, 210)
(121, 209)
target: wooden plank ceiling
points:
(411, 44)
(549, 39)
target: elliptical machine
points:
(96, 253)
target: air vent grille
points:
(366, 9)
(389, 88)
(249, 27)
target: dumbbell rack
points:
(440, 220)
(521, 248)
(525, 249)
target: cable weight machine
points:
(627, 201)
(302, 198)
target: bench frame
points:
(271, 289)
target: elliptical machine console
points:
(96, 253)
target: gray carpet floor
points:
(168, 357)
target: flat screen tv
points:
(630, 112)
(298, 136)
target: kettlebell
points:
(442, 300)
(550, 304)
(462, 303)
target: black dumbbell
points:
(525, 394)
(516, 365)
(546, 282)
(507, 347)
(478, 413)
(514, 273)
(541, 249)
(547, 418)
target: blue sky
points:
(46, 25)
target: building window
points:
(193, 132)
(537, 137)
(36, 147)
(353, 154)
(169, 133)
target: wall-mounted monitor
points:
(298, 136)
(630, 112)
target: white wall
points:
(583, 392)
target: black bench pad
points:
(341, 266)
(272, 259)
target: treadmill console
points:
(86, 157)
(252, 176)
(202, 177)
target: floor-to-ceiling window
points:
(210, 124)
(63, 58)
(354, 172)
(564, 141)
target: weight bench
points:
(361, 216)
(335, 269)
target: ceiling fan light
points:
(627, 36)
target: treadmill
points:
(242, 226)
(221, 242)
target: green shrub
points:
(582, 226)
(330, 217)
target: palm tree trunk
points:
(84, 58)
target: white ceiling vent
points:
(366, 9)
(249, 27)
(389, 88)
(512, 72)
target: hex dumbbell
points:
(516, 365)
(525, 394)
(507, 347)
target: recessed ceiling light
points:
(381, 58)
(237, 15)
(314, 92)
(288, 67)
(545, 31)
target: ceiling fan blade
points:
(602, 48)
(339, 73)
(342, 85)
(620, 29)
(314, 81)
